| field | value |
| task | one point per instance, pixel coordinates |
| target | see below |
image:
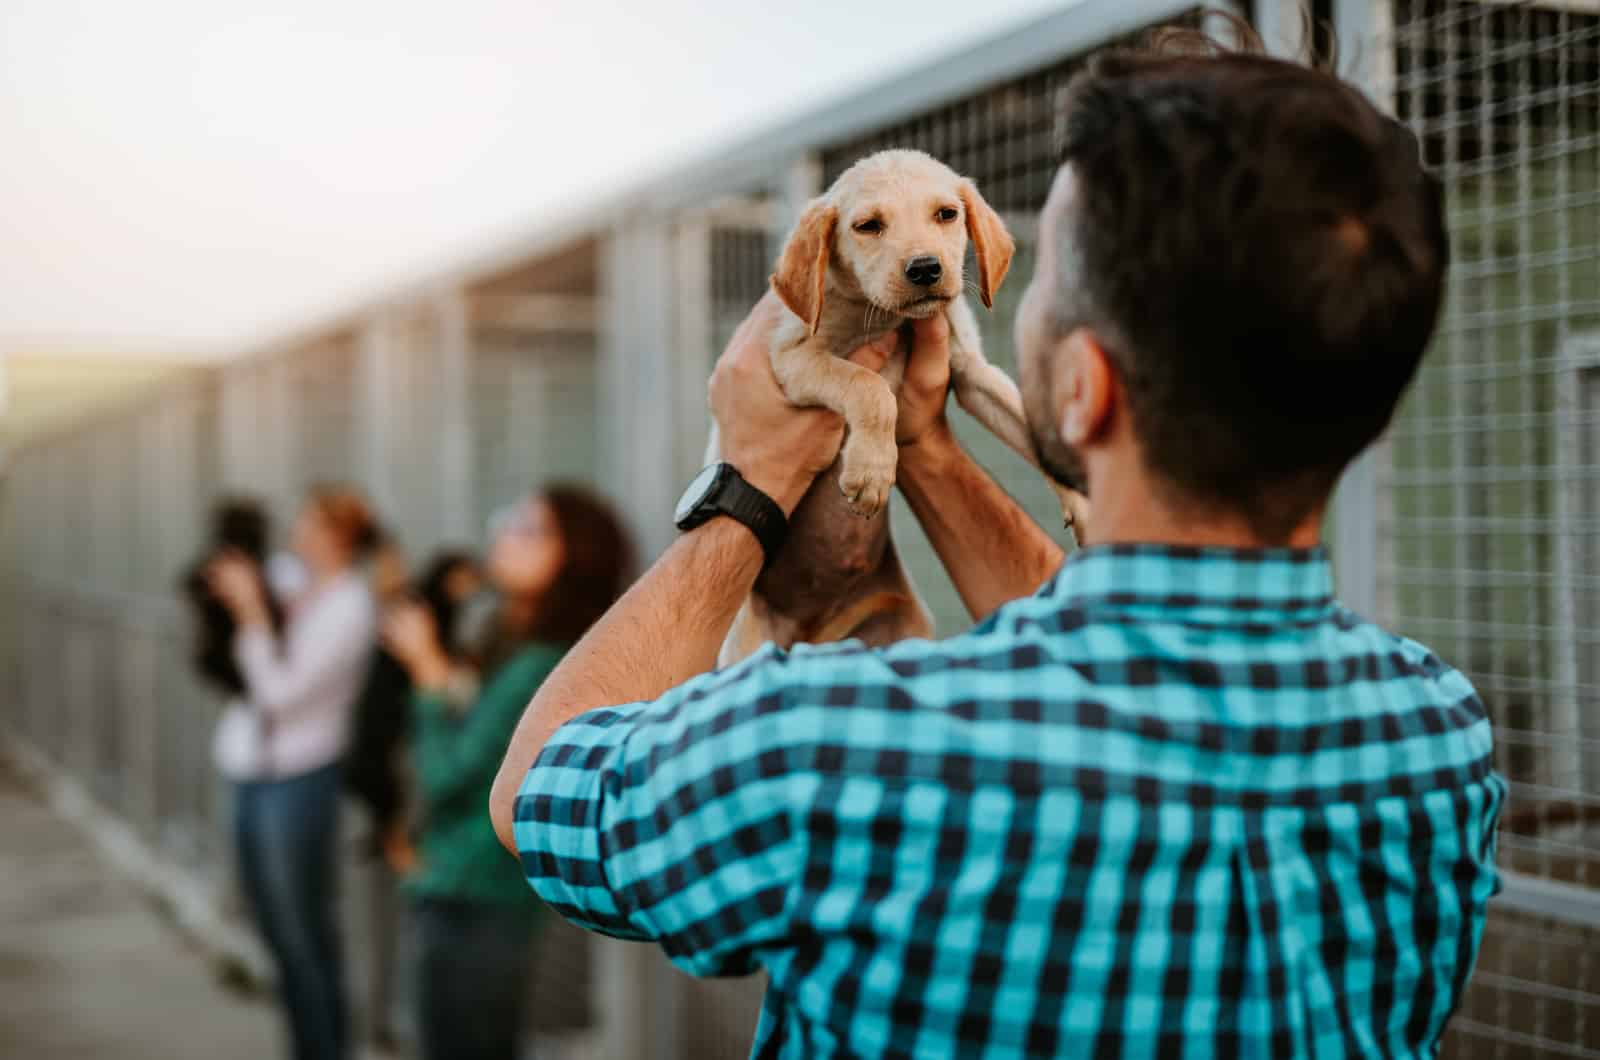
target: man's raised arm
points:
(994, 551)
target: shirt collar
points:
(1211, 586)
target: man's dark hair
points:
(1262, 255)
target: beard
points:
(1059, 460)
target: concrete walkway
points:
(87, 969)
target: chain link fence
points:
(1487, 488)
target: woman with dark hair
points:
(281, 743)
(557, 561)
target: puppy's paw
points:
(1074, 507)
(866, 480)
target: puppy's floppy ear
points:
(990, 239)
(803, 265)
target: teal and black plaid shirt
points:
(1179, 803)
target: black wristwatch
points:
(720, 490)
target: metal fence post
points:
(691, 278)
(615, 399)
(375, 370)
(280, 476)
(454, 435)
(636, 276)
(636, 993)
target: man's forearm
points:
(994, 552)
(665, 630)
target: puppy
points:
(885, 244)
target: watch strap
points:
(759, 512)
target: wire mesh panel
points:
(407, 489)
(104, 559)
(1490, 537)
(25, 501)
(254, 435)
(179, 485)
(741, 262)
(13, 539)
(534, 416)
(322, 398)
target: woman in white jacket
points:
(281, 745)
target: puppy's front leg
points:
(811, 375)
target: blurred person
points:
(281, 744)
(239, 527)
(375, 767)
(374, 764)
(556, 561)
(1176, 801)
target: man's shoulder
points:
(1407, 657)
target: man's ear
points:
(803, 266)
(1086, 387)
(990, 239)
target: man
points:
(1177, 801)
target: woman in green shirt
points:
(557, 560)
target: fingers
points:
(931, 331)
(745, 370)
(750, 343)
(876, 353)
(928, 365)
(755, 330)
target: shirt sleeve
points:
(677, 821)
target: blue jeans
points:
(285, 831)
(474, 967)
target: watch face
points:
(697, 492)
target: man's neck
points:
(1134, 511)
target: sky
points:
(193, 177)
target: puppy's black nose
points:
(924, 271)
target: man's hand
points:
(778, 447)
(926, 388)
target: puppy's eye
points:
(870, 227)
(947, 214)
